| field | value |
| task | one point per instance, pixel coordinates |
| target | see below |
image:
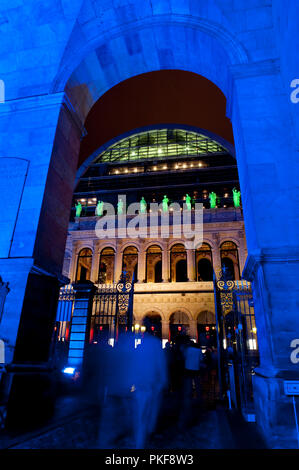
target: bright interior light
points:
(164, 341)
(252, 344)
(111, 341)
(69, 370)
(137, 341)
(159, 150)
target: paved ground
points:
(75, 426)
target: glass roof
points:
(160, 144)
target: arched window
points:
(153, 325)
(84, 265)
(204, 266)
(178, 324)
(130, 261)
(230, 260)
(206, 329)
(178, 263)
(106, 266)
(154, 264)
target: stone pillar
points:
(118, 263)
(165, 329)
(165, 265)
(216, 260)
(191, 271)
(260, 113)
(34, 225)
(95, 262)
(141, 268)
(193, 329)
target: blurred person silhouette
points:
(150, 381)
(117, 380)
(194, 362)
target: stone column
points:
(95, 262)
(141, 268)
(118, 263)
(216, 260)
(193, 329)
(191, 272)
(260, 113)
(165, 264)
(38, 200)
(165, 329)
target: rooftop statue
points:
(236, 197)
(213, 198)
(143, 205)
(120, 206)
(165, 202)
(99, 208)
(188, 202)
(78, 209)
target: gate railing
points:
(237, 340)
(111, 312)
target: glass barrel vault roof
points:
(160, 144)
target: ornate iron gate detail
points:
(237, 340)
(112, 309)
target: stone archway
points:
(56, 99)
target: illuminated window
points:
(84, 265)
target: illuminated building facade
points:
(173, 285)
(74, 76)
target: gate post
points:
(80, 324)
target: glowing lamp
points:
(152, 328)
(179, 328)
(207, 328)
(137, 326)
(142, 329)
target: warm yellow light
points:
(159, 150)
(135, 170)
(254, 330)
(155, 168)
(165, 167)
(137, 326)
(200, 164)
(143, 329)
(117, 172)
(184, 166)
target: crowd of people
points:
(132, 383)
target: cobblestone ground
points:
(211, 427)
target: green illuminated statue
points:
(78, 209)
(236, 197)
(99, 209)
(165, 202)
(143, 205)
(188, 202)
(120, 206)
(213, 198)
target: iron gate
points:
(111, 313)
(237, 341)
